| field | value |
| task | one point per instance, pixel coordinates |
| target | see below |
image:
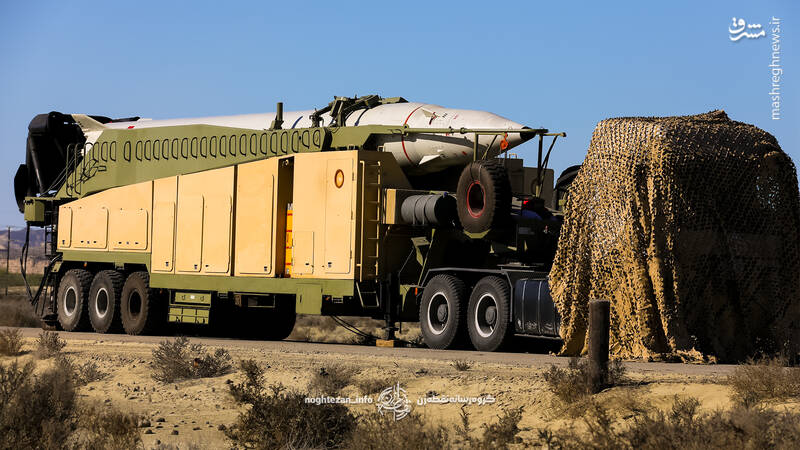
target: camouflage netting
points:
(690, 226)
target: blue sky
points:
(563, 66)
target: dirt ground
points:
(192, 413)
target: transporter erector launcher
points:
(351, 209)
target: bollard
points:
(599, 328)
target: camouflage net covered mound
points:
(690, 226)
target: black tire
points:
(143, 311)
(483, 196)
(489, 315)
(441, 313)
(104, 301)
(73, 298)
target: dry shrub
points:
(17, 311)
(575, 383)
(49, 344)
(368, 386)
(332, 379)
(764, 379)
(461, 365)
(683, 428)
(377, 432)
(40, 411)
(181, 360)
(104, 427)
(281, 419)
(10, 342)
(253, 383)
(81, 374)
(35, 411)
(498, 435)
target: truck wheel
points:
(73, 296)
(104, 301)
(488, 315)
(141, 308)
(483, 196)
(441, 314)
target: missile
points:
(417, 154)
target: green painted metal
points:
(309, 298)
(193, 298)
(106, 257)
(254, 285)
(121, 157)
(189, 314)
(34, 209)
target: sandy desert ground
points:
(193, 412)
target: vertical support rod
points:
(599, 328)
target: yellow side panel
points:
(188, 245)
(64, 226)
(302, 253)
(163, 237)
(255, 209)
(91, 227)
(116, 219)
(165, 193)
(338, 216)
(324, 210)
(217, 234)
(128, 229)
(203, 232)
(308, 214)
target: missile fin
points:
(428, 158)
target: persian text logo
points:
(739, 29)
(394, 399)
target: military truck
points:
(366, 207)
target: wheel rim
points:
(485, 317)
(135, 304)
(101, 302)
(438, 313)
(476, 199)
(70, 301)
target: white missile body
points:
(416, 153)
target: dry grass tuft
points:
(332, 379)
(763, 380)
(461, 365)
(181, 360)
(682, 428)
(16, 311)
(10, 342)
(576, 382)
(41, 411)
(81, 374)
(383, 432)
(280, 419)
(103, 427)
(498, 435)
(49, 344)
(375, 385)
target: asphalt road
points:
(519, 359)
